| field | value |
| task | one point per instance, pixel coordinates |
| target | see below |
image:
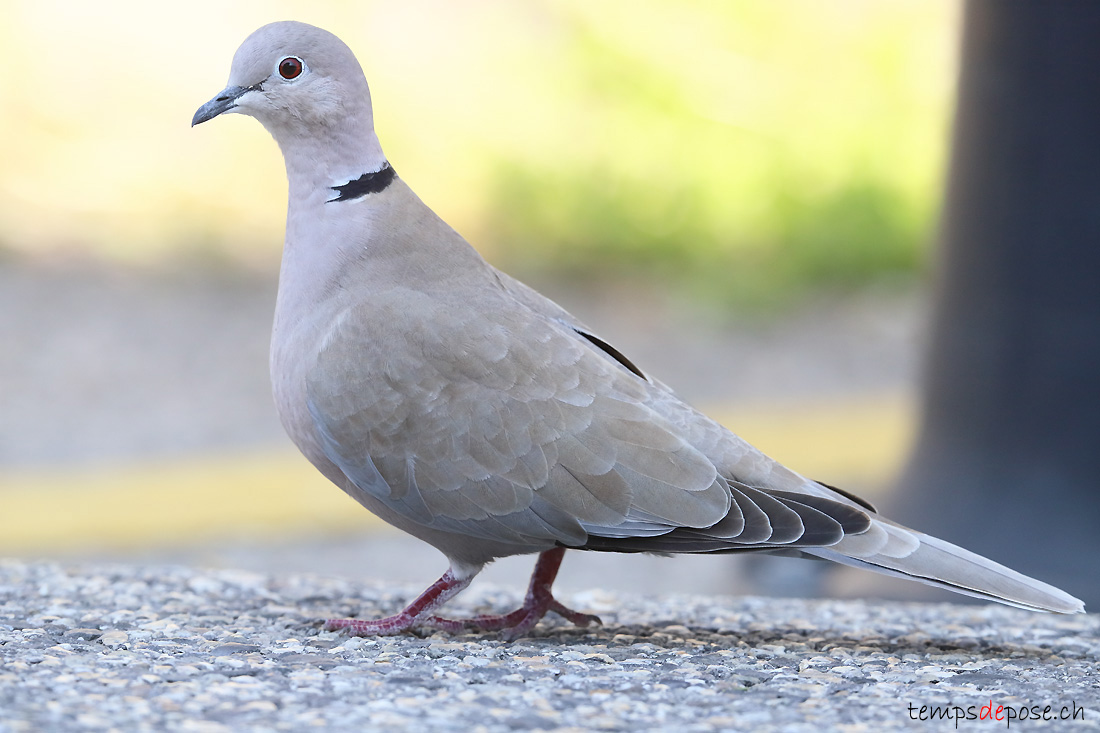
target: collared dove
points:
(468, 410)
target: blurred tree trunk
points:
(1008, 459)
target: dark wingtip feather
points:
(850, 496)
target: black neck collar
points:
(365, 184)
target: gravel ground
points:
(123, 647)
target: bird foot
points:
(514, 624)
(389, 626)
(522, 620)
(417, 614)
(538, 603)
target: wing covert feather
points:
(477, 417)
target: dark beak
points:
(225, 101)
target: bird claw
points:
(576, 617)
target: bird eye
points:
(290, 67)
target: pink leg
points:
(538, 602)
(415, 615)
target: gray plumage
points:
(468, 410)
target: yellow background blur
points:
(558, 130)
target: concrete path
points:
(127, 647)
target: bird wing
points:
(475, 414)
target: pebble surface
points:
(131, 647)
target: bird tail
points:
(895, 550)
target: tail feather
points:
(942, 564)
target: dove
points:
(466, 409)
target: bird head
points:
(307, 88)
(290, 74)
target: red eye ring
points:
(290, 67)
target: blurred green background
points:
(739, 194)
(745, 150)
